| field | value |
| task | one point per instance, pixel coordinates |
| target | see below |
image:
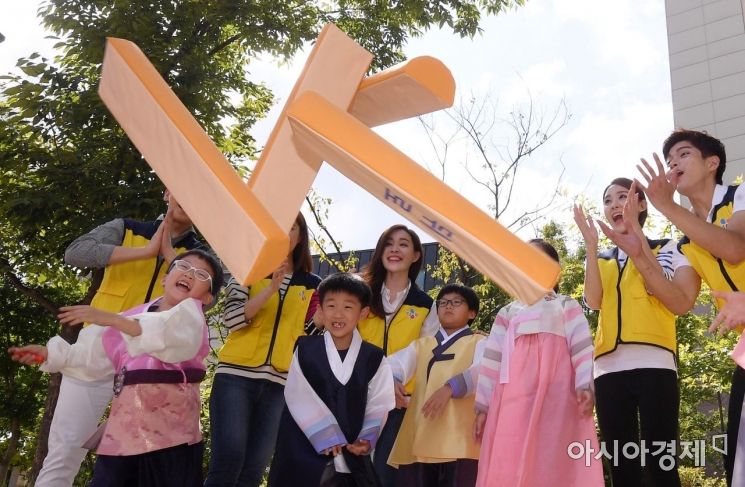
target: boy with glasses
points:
(435, 446)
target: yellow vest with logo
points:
(449, 437)
(270, 337)
(718, 274)
(405, 325)
(129, 284)
(628, 314)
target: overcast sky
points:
(608, 60)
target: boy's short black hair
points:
(705, 143)
(211, 260)
(465, 292)
(348, 283)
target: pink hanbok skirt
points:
(534, 419)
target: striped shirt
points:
(234, 318)
(669, 257)
(518, 319)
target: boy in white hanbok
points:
(339, 391)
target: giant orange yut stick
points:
(334, 68)
(235, 223)
(327, 117)
(413, 192)
(418, 86)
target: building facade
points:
(706, 46)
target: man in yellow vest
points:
(714, 241)
(135, 256)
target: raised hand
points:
(152, 249)
(279, 275)
(629, 242)
(660, 186)
(166, 248)
(586, 227)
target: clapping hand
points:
(586, 227)
(661, 185)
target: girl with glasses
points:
(154, 354)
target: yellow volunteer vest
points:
(405, 326)
(718, 274)
(449, 437)
(270, 337)
(628, 314)
(132, 283)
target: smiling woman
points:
(400, 312)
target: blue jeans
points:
(244, 420)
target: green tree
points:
(65, 165)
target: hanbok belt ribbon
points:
(509, 347)
(151, 376)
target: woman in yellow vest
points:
(399, 314)
(248, 389)
(635, 368)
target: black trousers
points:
(639, 404)
(178, 466)
(458, 473)
(386, 473)
(736, 397)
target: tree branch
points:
(30, 292)
(322, 226)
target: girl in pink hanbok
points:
(155, 352)
(534, 397)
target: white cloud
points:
(610, 146)
(542, 80)
(621, 30)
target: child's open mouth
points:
(338, 324)
(185, 285)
